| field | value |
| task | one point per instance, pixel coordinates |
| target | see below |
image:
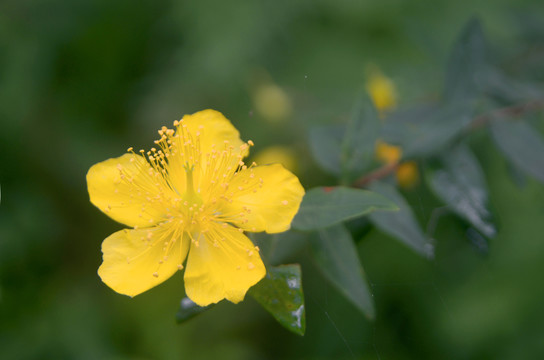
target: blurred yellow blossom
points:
(388, 154)
(277, 154)
(272, 102)
(384, 96)
(381, 89)
(193, 198)
(407, 174)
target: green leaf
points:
(427, 129)
(336, 256)
(279, 248)
(461, 185)
(399, 122)
(347, 150)
(521, 144)
(402, 224)
(326, 147)
(325, 206)
(504, 89)
(188, 310)
(280, 293)
(361, 134)
(465, 64)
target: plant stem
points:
(477, 123)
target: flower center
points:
(190, 194)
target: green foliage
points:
(461, 185)
(336, 256)
(280, 293)
(326, 206)
(433, 132)
(362, 131)
(423, 131)
(521, 144)
(188, 310)
(466, 64)
(401, 224)
(347, 150)
(326, 144)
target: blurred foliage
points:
(81, 81)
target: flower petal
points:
(137, 260)
(112, 188)
(224, 265)
(264, 198)
(213, 129)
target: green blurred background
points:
(80, 81)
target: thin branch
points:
(377, 174)
(510, 111)
(477, 122)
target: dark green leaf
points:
(501, 87)
(465, 64)
(326, 206)
(362, 131)
(347, 150)
(399, 122)
(278, 248)
(280, 293)
(326, 146)
(401, 224)
(425, 130)
(478, 241)
(461, 185)
(336, 256)
(286, 245)
(188, 309)
(521, 144)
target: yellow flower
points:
(407, 174)
(381, 89)
(193, 198)
(272, 102)
(386, 153)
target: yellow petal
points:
(112, 189)
(137, 260)
(213, 128)
(224, 265)
(264, 198)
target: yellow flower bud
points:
(381, 89)
(388, 154)
(407, 174)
